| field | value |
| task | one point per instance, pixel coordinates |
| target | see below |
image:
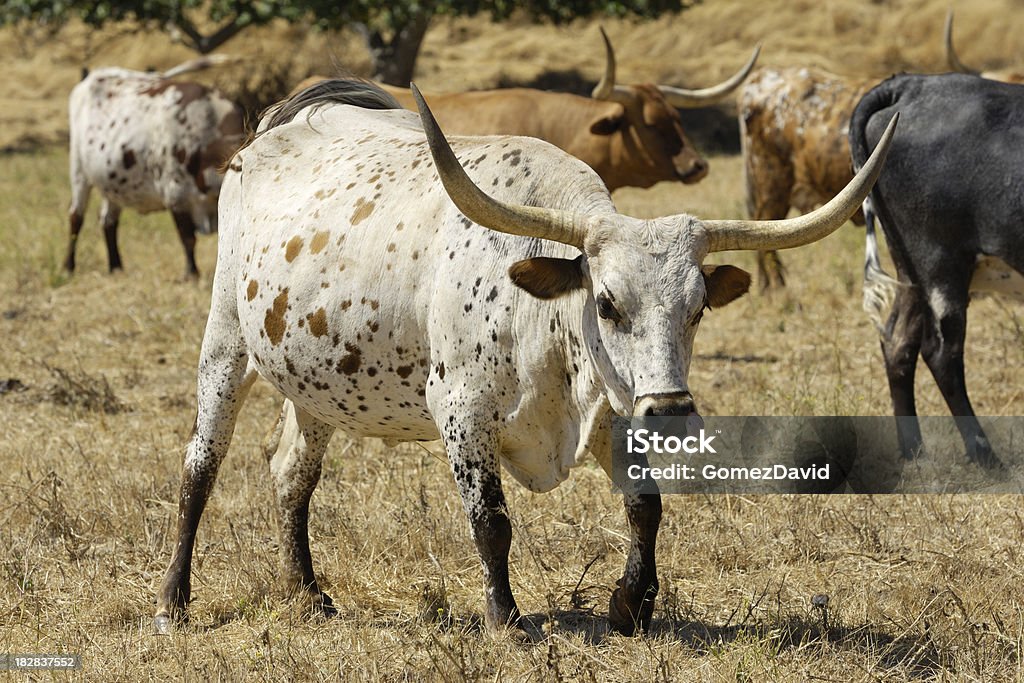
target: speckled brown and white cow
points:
(509, 314)
(150, 143)
(631, 135)
(793, 132)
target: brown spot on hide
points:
(404, 371)
(128, 159)
(319, 241)
(186, 92)
(363, 210)
(351, 361)
(250, 292)
(293, 248)
(273, 322)
(317, 323)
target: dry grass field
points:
(920, 587)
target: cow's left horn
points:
(811, 227)
(476, 205)
(606, 88)
(951, 56)
(689, 99)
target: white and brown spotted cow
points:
(150, 143)
(505, 308)
(793, 132)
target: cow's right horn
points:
(704, 97)
(476, 205)
(724, 235)
(952, 59)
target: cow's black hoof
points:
(626, 621)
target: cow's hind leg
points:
(943, 351)
(187, 232)
(771, 202)
(901, 345)
(110, 215)
(295, 468)
(632, 603)
(224, 381)
(76, 214)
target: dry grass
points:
(922, 587)
(919, 587)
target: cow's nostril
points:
(683, 408)
(697, 170)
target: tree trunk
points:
(395, 61)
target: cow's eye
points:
(606, 309)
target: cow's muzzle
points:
(676, 404)
(694, 173)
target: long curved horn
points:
(689, 99)
(724, 235)
(477, 206)
(952, 59)
(606, 88)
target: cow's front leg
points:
(632, 603)
(295, 468)
(224, 381)
(474, 461)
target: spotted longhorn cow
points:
(632, 135)
(149, 142)
(793, 133)
(509, 314)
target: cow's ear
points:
(724, 284)
(547, 278)
(606, 125)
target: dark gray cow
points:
(950, 201)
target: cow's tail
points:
(879, 286)
(205, 62)
(353, 91)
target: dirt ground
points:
(920, 587)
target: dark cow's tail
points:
(354, 91)
(879, 286)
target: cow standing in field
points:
(794, 125)
(950, 203)
(631, 135)
(150, 143)
(508, 314)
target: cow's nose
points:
(696, 171)
(666, 405)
